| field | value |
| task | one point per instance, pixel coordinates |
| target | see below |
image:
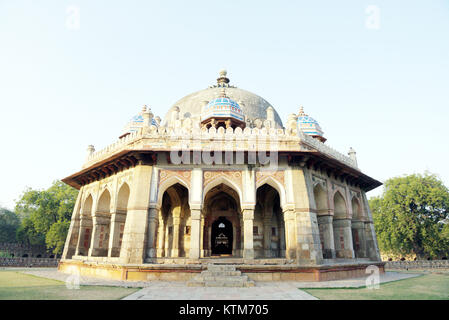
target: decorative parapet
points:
(323, 148)
(253, 139)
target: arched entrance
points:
(222, 222)
(173, 233)
(268, 227)
(222, 237)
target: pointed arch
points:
(104, 202)
(222, 180)
(340, 208)
(171, 235)
(101, 226)
(277, 186)
(268, 218)
(167, 184)
(321, 199)
(324, 221)
(118, 221)
(221, 198)
(85, 229)
(87, 206)
(357, 212)
(123, 197)
(358, 229)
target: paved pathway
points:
(179, 291)
(170, 290)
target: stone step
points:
(216, 267)
(240, 284)
(243, 284)
(222, 278)
(208, 273)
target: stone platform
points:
(221, 275)
(256, 270)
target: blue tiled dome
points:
(138, 119)
(136, 123)
(222, 107)
(308, 124)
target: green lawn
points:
(18, 286)
(426, 287)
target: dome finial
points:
(223, 80)
(301, 110)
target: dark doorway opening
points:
(222, 237)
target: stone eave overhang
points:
(311, 159)
(108, 166)
(321, 162)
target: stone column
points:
(327, 232)
(343, 238)
(84, 237)
(308, 249)
(248, 248)
(167, 244)
(267, 237)
(290, 235)
(202, 237)
(371, 242)
(135, 234)
(359, 239)
(197, 228)
(117, 219)
(372, 249)
(195, 233)
(281, 239)
(161, 237)
(72, 242)
(99, 242)
(152, 227)
(175, 245)
(242, 236)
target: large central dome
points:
(253, 106)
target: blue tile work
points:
(222, 107)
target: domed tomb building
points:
(221, 180)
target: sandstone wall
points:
(419, 264)
(28, 262)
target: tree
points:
(46, 215)
(411, 216)
(9, 223)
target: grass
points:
(18, 286)
(426, 287)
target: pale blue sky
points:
(384, 92)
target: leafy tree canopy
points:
(9, 223)
(412, 216)
(46, 215)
